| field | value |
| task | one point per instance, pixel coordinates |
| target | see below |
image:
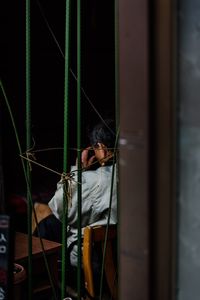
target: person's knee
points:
(40, 212)
(49, 228)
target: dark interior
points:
(47, 40)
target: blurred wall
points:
(189, 153)
(134, 197)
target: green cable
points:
(117, 113)
(109, 213)
(65, 149)
(117, 108)
(25, 175)
(28, 146)
(14, 126)
(79, 147)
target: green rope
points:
(109, 213)
(28, 145)
(65, 148)
(13, 124)
(28, 174)
(79, 145)
(117, 108)
(26, 178)
(62, 54)
(117, 111)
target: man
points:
(99, 192)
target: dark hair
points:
(103, 132)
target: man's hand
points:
(86, 158)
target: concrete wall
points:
(189, 155)
(134, 231)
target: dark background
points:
(47, 85)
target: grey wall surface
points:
(189, 156)
(133, 77)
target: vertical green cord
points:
(79, 143)
(109, 214)
(15, 130)
(117, 108)
(117, 112)
(28, 145)
(65, 148)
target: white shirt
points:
(96, 195)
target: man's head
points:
(102, 139)
(104, 132)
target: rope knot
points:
(67, 178)
(30, 157)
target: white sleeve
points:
(56, 202)
(86, 203)
(88, 190)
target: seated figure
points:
(96, 192)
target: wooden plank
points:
(21, 246)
